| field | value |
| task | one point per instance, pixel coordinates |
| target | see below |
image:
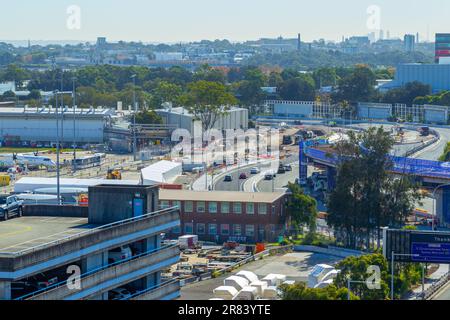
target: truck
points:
(188, 242)
(10, 206)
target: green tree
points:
(301, 208)
(300, 291)
(207, 101)
(207, 73)
(366, 196)
(148, 117)
(357, 269)
(406, 94)
(300, 89)
(165, 92)
(358, 86)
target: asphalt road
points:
(238, 184)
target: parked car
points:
(255, 170)
(10, 206)
(288, 167)
(281, 169)
(243, 176)
(119, 294)
(228, 178)
(119, 254)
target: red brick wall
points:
(267, 227)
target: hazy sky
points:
(187, 20)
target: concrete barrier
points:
(332, 251)
(55, 211)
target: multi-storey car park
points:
(109, 250)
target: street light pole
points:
(134, 117)
(57, 149)
(393, 254)
(74, 125)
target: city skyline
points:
(177, 21)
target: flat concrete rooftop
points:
(27, 232)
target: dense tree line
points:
(314, 59)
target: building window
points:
(188, 206)
(176, 204)
(262, 208)
(237, 230)
(201, 228)
(176, 230)
(250, 230)
(212, 229)
(212, 207)
(237, 208)
(188, 228)
(225, 229)
(225, 207)
(250, 209)
(165, 204)
(200, 207)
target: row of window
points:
(212, 229)
(225, 207)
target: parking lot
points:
(26, 232)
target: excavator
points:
(114, 174)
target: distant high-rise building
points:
(299, 42)
(417, 38)
(372, 37)
(101, 41)
(442, 46)
(409, 42)
(388, 35)
(381, 35)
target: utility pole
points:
(62, 107)
(57, 149)
(74, 125)
(134, 117)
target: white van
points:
(119, 254)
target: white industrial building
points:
(235, 118)
(39, 124)
(31, 184)
(288, 108)
(161, 172)
(436, 114)
(380, 111)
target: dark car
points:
(288, 167)
(243, 176)
(268, 176)
(281, 169)
(228, 178)
(10, 206)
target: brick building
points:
(219, 216)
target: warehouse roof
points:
(31, 183)
(220, 196)
(14, 111)
(161, 172)
(184, 111)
